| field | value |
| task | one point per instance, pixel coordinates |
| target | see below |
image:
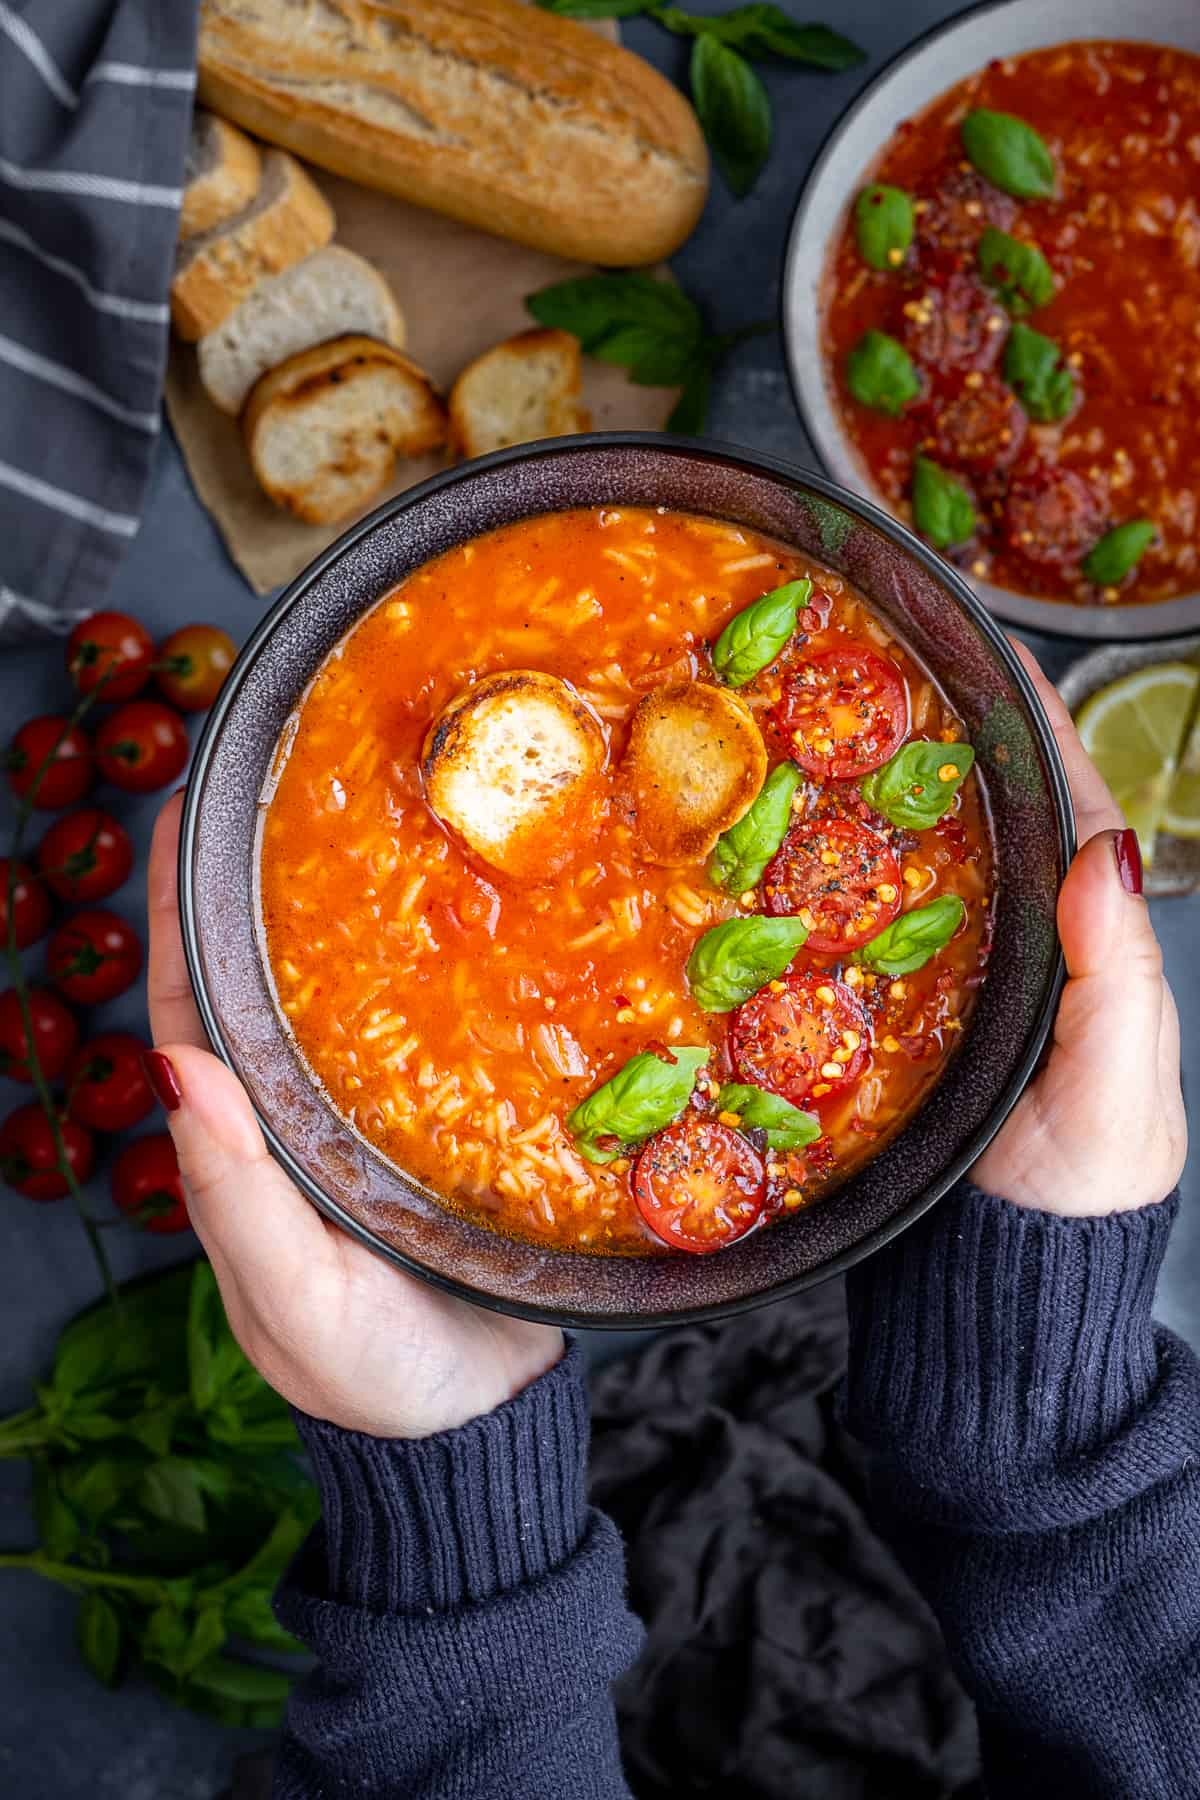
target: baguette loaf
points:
(504, 116)
(524, 388)
(221, 176)
(287, 219)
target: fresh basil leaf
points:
(754, 637)
(1036, 369)
(1020, 274)
(1118, 551)
(733, 960)
(214, 1357)
(94, 1487)
(743, 852)
(170, 1491)
(734, 111)
(764, 30)
(785, 1125)
(104, 1348)
(690, 412)
(909, 941)
(595, 307)
(942, 508)
(642, 1097)
(98, 1631)
(58, 1528)
(916, 786)
(883, 225)
(248, 1683)
(880, 373)
(249, 1615)
(1009, 153)
(166, 1637)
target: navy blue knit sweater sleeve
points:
(1036, 1466)
(468, 1611)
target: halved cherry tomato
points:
(85, 856)
(30, 903)
(110, 645)
(29, 1156)
(55, 1034)
(106, 1084)
(94, 957)
(699, 1185)
(805, 1037)
(147, 1185)
(64, 778)
(839, 878)
(843, 712)
(193, 663)
(142, 746)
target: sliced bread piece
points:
(287, 219)
(693, 766)
(332, 293)
(512, 765)
(325, 428)
(524, 388)
(221, 175)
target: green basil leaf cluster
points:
(733, 960)
(942, 508)
(1036, 369)
(1010, 154)
(785, 1125)
(1118, 551)
(765, 31)
(909, 941)
(909, 790)
(643, 1096)
(880, 373)
(743, 852)
(1020, 274)
(883, 225)
(758, 634)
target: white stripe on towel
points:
(151, 312)
(93, 187)
(131, 75)
(119, 524)
(32, 47)
(57, 375)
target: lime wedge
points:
(1182, 817)
(1132, 730)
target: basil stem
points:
(1035, 368)
(785, 1125)
(880, 373)
(647, 1093)
(754, 637)
(733, 960)
(909, 941)
(942, 508)
(883, 225)
(743, 852)
(1018, 271)
(1009, 153)
(1118, 551)
(917, 785)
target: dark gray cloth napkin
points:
(95, 103)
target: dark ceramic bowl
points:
(922, 600)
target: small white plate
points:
(905, 87)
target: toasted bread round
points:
(513, 766)
(694, 764)
(525, 388)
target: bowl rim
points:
(756, 462)
(1053, 618)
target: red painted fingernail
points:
(1129, 860)
(163, 1079)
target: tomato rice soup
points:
(1029, 248)
(624, 881)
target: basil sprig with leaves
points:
(647, 1093)
(730, 100)
(942, 508)
(916, 786)
(909, 941)
(1118, 551)
(1009, 153)
(1020, 274)
(883, 225)
(880, 373)
(743, 852)
(754, 637)
(1036, 369)
(733, 960)
(786, 1126)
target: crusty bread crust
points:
(499, 114)
(693, 766)
(229, 182)
(525, 388)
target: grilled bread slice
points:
(287, 219)
(694, 763)
(524, 388)
(325, 428)
(221, 175)
(513, 766)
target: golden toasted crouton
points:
(524, 388)
(513, 767)
(694, 764)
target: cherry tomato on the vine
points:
(55, 1034)
(113, 649)
(147, 1185)
(30, 903)
(85, 856)
(106, 1086)
(193, 662)
(94, 957)
(142, 746)
(29, 1155)
(50, 763)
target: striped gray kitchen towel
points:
(95, 102)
